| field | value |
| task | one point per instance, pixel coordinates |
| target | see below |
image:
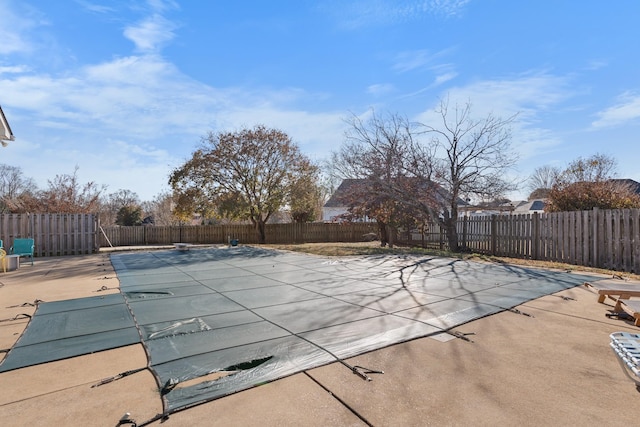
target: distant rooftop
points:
(5, 129)
(634, 185)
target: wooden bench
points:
(614, 291)
(629, 306)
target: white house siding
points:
(329, 214)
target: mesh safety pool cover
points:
(63, 329)
(256, 315)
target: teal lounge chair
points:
(23, 247)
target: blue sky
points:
(125, 89)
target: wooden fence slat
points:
(634, 235)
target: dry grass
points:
(373, 248)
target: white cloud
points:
(361, 13)
(380, 89)
(443, 78)
(151, 34)
(162, 5)
(407, 61)
(626, 110)
(421, 59)
(15, 69)
(137, 117)
(16, 28)
(315, 133)
(129, 120)
(447, 7)
(528, 96)
(597, 64)
(142, 96)
(439, 80)
(94, 7)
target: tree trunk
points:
(452, 223)
(260, 228)
(450, 227)
(452, 235)
(384, 237)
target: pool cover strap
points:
(118, 376)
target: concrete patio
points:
(552, 366)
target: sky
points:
(124, 90)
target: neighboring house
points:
(483, 210)
(509, 208)
(335, 206)
(280, 217)
(529, 206)
(5, 129)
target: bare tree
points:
(160, 209)
(246, 174)
(474, 156)
(64, 194)
(14, 188)
(464, 157)
(543, 178)
(392, 172)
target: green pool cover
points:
(259, 315)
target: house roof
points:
(530, 206)
(5, 129)
(349, 185)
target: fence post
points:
(494, 234)
(595, 256)
(464, 232)
(535, 236)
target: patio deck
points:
(553, 367)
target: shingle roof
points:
(5, 129)
(347, 186)
(344, 188)
(530, 206)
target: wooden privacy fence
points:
(599, 238)
(245, 233)
(53, 234)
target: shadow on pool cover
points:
(254, 315)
